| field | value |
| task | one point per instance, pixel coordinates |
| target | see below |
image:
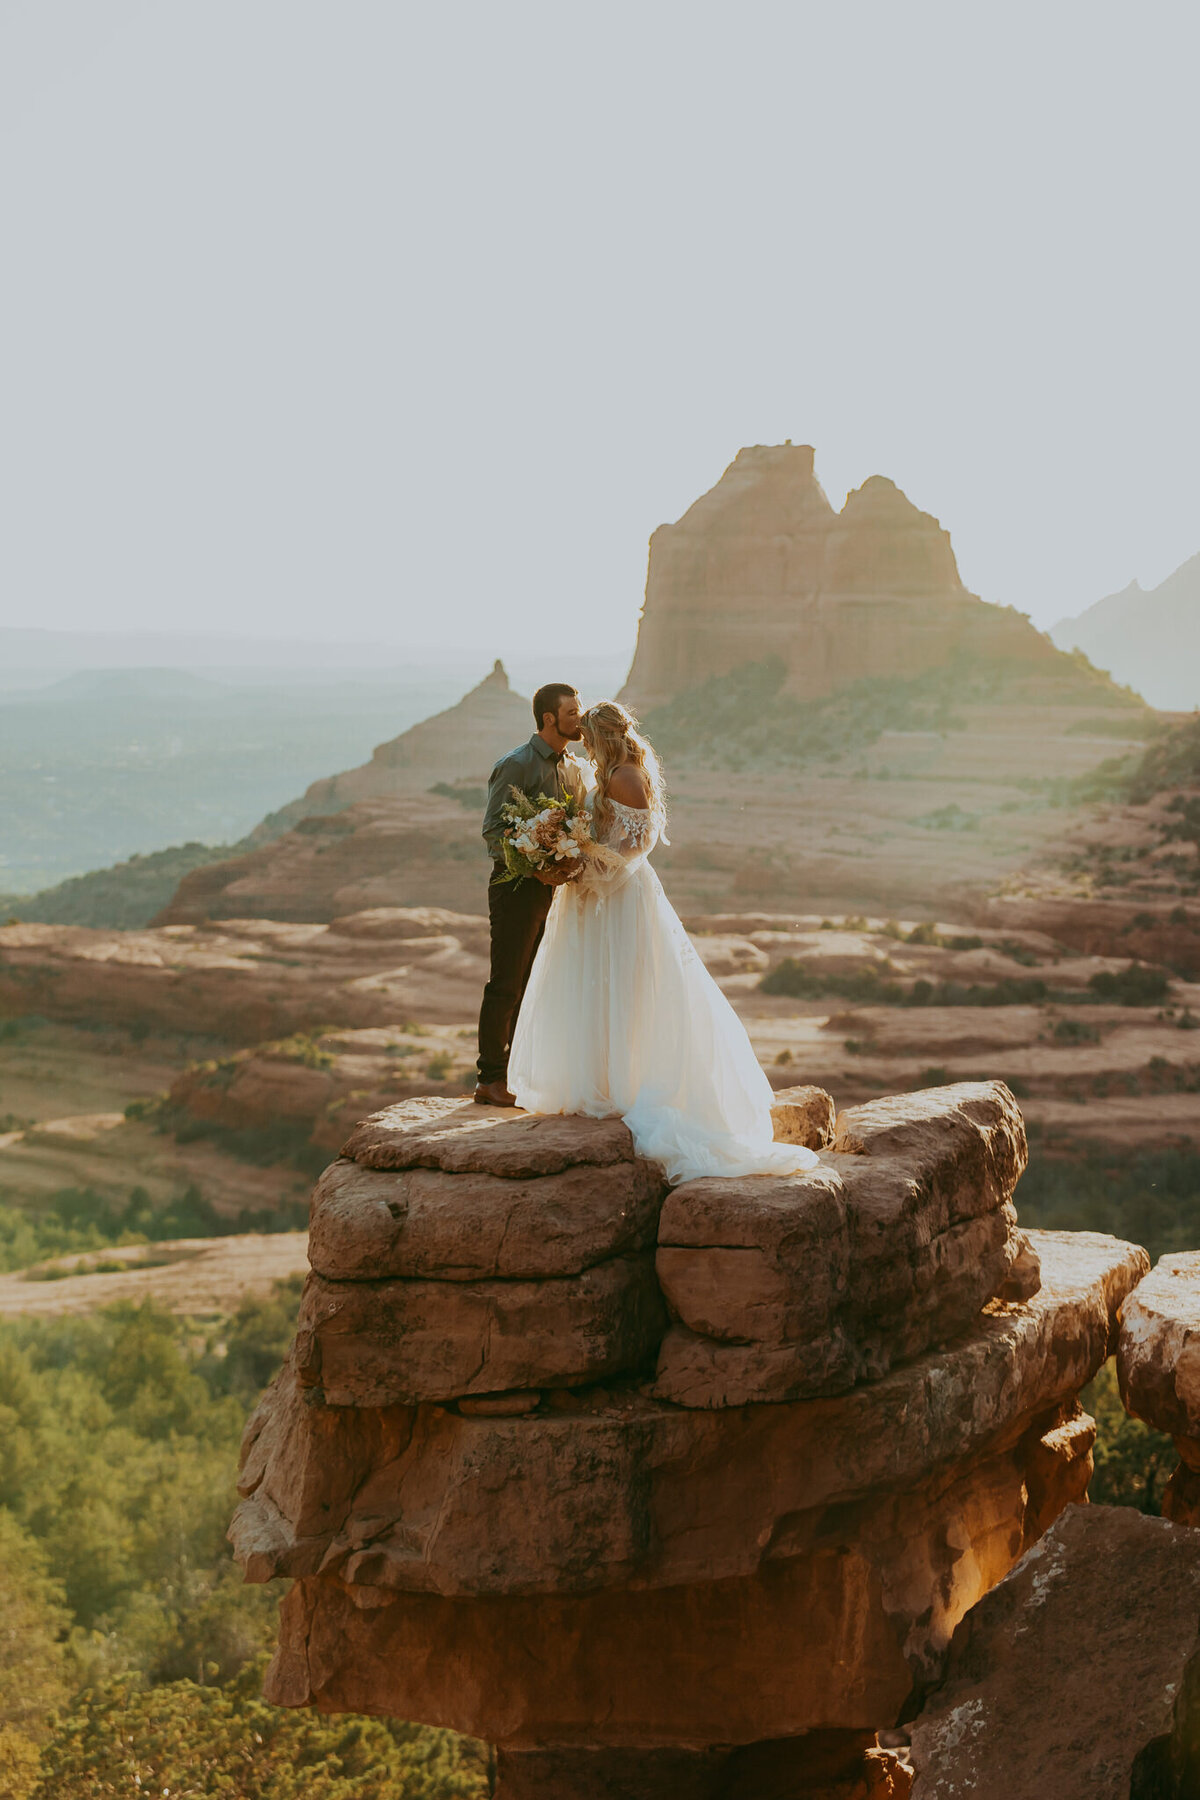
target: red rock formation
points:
(1146, 928)
(1158, 1365)
(375, 835)
(459, 744)
(414, 850)
(1078, 1677)
(782, 1289)
(762, 566)
(496, 1522)
(248, 980)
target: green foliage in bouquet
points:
(517, 812)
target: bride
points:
(620, 1015)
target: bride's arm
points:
(633, 827)
(630, 835)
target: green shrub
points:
(802, 980)
(1133, 1462)
(131, 1653)
(79, 1219)
(302, 1047)
(13, 1031)
(282, 1141)
(188, 1739)
(745, 718)
(1075, 1031)
(126, 896)
(1018, 953)
(1009, 991)
(465, 792)
(1138, 985)
(1150, 1196)
(869, 986)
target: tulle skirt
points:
(621, 1017)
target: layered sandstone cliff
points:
(1078, 1676)
(401, 830)
(251, 979)
(1158, 1363)
(762, 566)
(667, 1493)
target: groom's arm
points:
(506, 775)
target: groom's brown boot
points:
(494, 1093)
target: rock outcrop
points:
(1078, 1676)
(247, 980)
(385, 834)
(784, 1289)
(1148, 928)
(415, 850)
(498, 1519)
(457, 745)
(762, 566)
(1158, 1366)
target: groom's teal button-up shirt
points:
(535, 769)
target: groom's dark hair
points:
(547, 699)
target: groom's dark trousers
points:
(517, 910)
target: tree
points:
(193, 1742)
(33, 1674)
(1133, 1461)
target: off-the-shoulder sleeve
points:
(631, 835)
(634, 829)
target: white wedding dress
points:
(621, 1017)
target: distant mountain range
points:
(1148, 640)
(32, 658)
(103, 764)
(33, 650)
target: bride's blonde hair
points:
(611, 737)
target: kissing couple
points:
(597, 1001)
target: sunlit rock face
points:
(762, 566)
(1158, 1364)
(603, 1472)
(1079, 1675)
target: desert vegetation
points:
(77, 1220)
(132, 1654)
(126, 896)
(746, 717)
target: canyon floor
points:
(1100, 1050)
(198, 1277)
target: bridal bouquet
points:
(542, 834)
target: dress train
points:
(621, 1017)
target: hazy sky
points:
(365, 318)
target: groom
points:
(518, 909)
